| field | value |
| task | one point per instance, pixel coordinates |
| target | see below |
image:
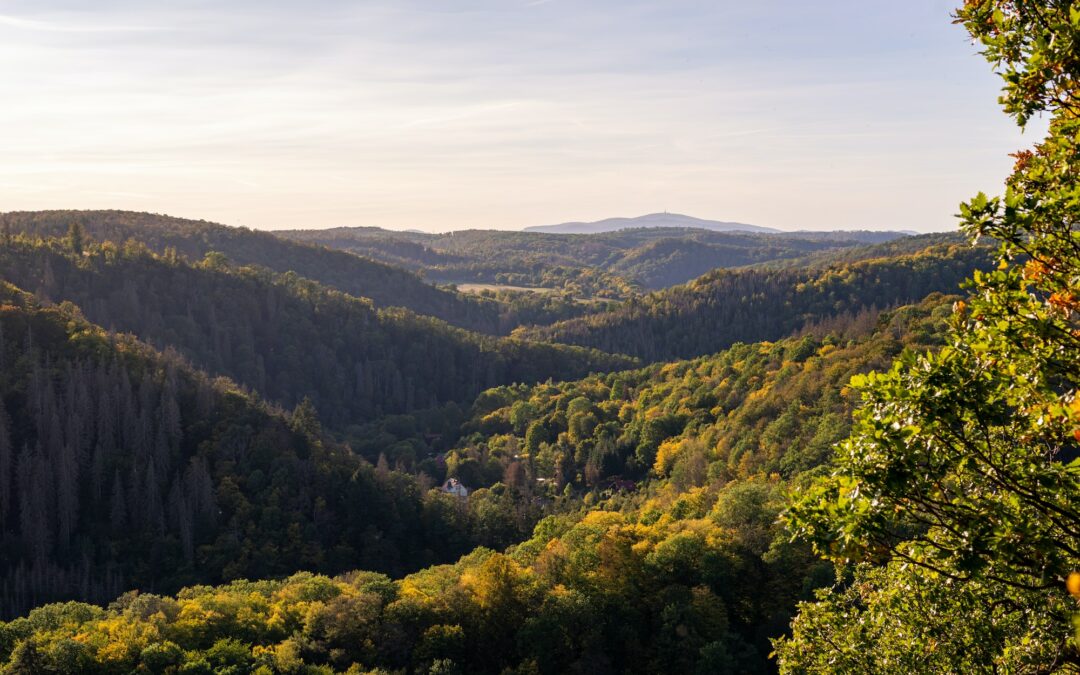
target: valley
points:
(842, 441)
(228, 422)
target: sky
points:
(451, 114)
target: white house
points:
(455, 487)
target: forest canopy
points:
(224, 451)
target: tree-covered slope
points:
(753, 409)
(821, 260)
(285, 337)
(724, 307)
(603, 593)
(385, 285)
(687, 572)
(123, 467)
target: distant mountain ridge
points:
(650, 220)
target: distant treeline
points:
(725, 307)
(605, 265)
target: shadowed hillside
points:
(724, 307)
(284, 336)
(385, 285)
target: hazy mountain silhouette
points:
(650, 220)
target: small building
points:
(453, 486)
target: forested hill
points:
(283, 336)
(753, 409)
(688, 574)
(607, 264)
(821, 260)
(786, 501)
(725, 307)
(121, 468)
(385, 285)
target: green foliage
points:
(601, 590)
(76, 239)
(896, 619)
(753, 409)
(961, 474)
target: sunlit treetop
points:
(1034, 47)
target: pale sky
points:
(449, 114)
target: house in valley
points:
(453, 486)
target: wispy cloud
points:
(461, 113)
(272, 113)
(57, 27)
